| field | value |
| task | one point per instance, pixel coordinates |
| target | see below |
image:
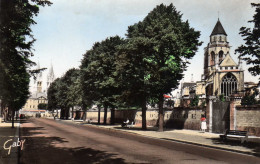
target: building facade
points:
(222, 75)
(40, 95)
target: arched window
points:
(212, 58)
(220, 55)
(228, 84)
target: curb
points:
(166, 139)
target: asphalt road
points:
(49, 142)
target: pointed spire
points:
(218, 29)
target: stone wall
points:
(248, 118)
(179, 118)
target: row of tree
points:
(131, 71)
(16, 41)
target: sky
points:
(67, 29)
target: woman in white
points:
(203, 124)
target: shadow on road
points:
(56, 150)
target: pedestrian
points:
(203, 124)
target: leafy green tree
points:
(250, 51)
(250, 99)
(74, 94)
(194, 101)
(52, 95)
(101, 70)
(222, 98)
(65, 93)
(42, 106)
(163, 45)
(131, 72)
(16, 18)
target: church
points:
(39, 96)
(222, 76)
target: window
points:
(228, 84)
(212, 58)
(220, 55)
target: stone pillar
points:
(210, 116)
(234, 101)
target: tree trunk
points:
(13, 118)
(144, 108)
(161, 113)
(84, 108)
(105, 115)
(5, 114)
(72, 113)
(67, 113)
(99, 110)
(112, 119)
(1, 109)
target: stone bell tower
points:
(39, 80)
(222, 75)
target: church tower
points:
(39, 80)
(222, 75)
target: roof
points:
(218, 29)
(228, 61)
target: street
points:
(49, 141)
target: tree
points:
(16, 18)
(194, 101)
(132, 75)
(250, 51)
(52, 95)
(65, 92)
(163, 43)
(42, 106)
(101, 71)
(250, 99)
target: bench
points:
(131, 125)
(235, 134)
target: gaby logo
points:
(9, 144)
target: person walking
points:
(203, 124)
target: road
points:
(49, 142)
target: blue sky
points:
(68, 28)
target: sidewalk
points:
(206, 139)
(11, 134)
